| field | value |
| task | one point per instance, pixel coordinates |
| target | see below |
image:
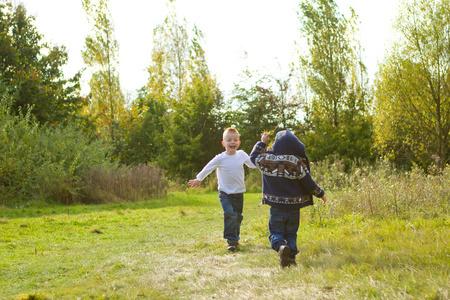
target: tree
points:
(412, 86)
(268, 104)
(31, 71)
(168, 71)
(337, 115)
(328, 62)
(144, 141)
(101, 55)
(180, 106)
(196, 122)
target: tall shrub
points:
(43, 163)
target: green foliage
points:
(337, 120)
(101, 56)
(194, 136)
(266, 105)
(412, 117)
(43, 163)
(180, 108)
(196, 123)
(329, 58)
(253, 180)
(170, 54)
(31, 72)
(352, 140)
(143, 142)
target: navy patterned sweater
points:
(287, 182)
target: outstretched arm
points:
(210, 166)
(259, 148)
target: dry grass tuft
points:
(135, 183)
(381, 190)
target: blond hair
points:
(231, 130)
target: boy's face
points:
(231, 142)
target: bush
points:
(43, 163)
(330, 174)
(61, 164)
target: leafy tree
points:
(412, 86)
(168, 71)
(328, 61)
(337, 116)
(101, 55)
(195, 133)
(143, 143)
(179, 125)
(149, 133)
(31, 71)
(269, 104)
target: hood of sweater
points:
(287, 143)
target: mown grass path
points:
(172, 248)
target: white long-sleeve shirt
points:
(229, 171)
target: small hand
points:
(265, 138)
(324, 199)
(194, 182)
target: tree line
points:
(176, 120)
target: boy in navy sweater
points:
(287, 187)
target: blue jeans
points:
(283, 226)
(232, 205)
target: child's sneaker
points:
(232, 246)
(284, 253)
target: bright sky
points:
(265, 30)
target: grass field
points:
(172, 248)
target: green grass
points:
(173, 248)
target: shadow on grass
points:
(184, 199)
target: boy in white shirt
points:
(229, 166)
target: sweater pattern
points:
(277, 166)
(285, 200)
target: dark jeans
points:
(232, 205)
(283, 226)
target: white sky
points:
(264, 29)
